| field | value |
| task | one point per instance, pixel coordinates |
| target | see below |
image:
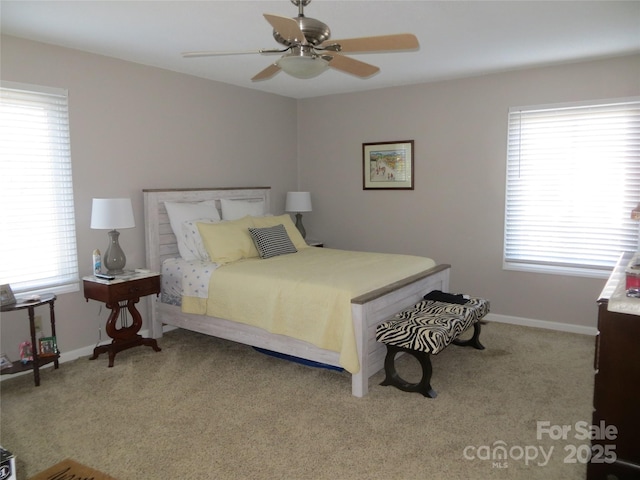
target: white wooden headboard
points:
(160, 241)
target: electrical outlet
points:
(37, 321)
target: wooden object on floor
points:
(123, 291)
(616, 395)
(71, 469)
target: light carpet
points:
(205, 408)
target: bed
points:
(367, 309)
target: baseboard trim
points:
(492, 317)
(78, 353)
(530, 322)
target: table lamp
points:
(298, 202)
(110, 214)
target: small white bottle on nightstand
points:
(97, 261)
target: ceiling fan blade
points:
(382, 43)
(268, 72)
(352, 66)
(263, 51)
(287, 27)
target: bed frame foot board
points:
(373, 308)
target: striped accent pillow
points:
(272, 241)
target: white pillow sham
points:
(236, 209)
(193, 240)
(180, 212)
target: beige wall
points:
(135, 127)
(155, 128)
(455, 214)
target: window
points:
(38, 242)
(573, 178)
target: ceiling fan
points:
(308, 51)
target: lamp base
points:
(114, 259)
(299, 225)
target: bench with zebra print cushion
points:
(425, 329)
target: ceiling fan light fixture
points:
(303, 67)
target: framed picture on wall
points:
(387, 165)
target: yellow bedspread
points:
(306, 295)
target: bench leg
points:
(392, 377)
(473, 341)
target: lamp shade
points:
(298, 202)
(112, 213)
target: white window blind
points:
(573, 177)
(38, 242)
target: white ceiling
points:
(457, 38)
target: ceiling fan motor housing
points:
(314, 31)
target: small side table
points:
(123, 291)
(38, 360)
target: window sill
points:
(67, 288)
(556, 270)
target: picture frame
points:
(6, 295)
(47, 347)
(26, 352)
(388, 165)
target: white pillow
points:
(193, 241)
(236, 209)
(180, 212)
